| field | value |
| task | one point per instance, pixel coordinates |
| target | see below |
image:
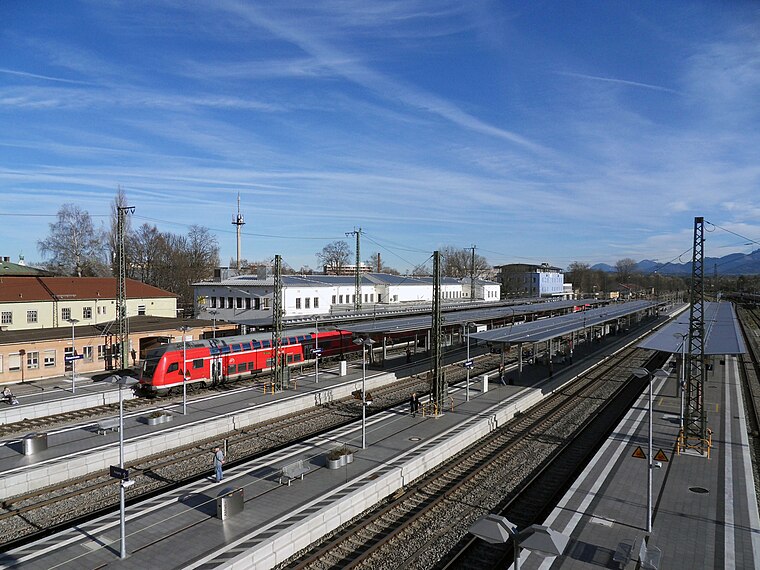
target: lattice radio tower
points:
(239, 222)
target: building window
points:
(140, 309)
(14, 362)
(101, 352)
(316, 302)
(6, 318)
(366, 297)
(221, 302)
(298, 302)
(32, 360)
(257, 304)
(247, 303)
(87, 353)
(265, 303)
(1, 363)
(371, 297)
(239, 301)
(229, 303)
(333, 301)
(341, 299)
(31, 316)
(65, 314)
(307, 303)
(212, 301)
(48, 358)
(86, 312)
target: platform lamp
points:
(122, 381)
(364, 343)
(644, 373)
(73, 354)
(682, 380)
(184, 329)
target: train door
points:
(216, 370)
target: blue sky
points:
(539, 131)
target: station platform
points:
(705, 511)
(180, 529)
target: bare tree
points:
(334, 256)
(624, 268)
(457, 262)
(147, 244)
(74, 245)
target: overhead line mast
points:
(121, 297)
(695, 422)
(357, 275)
(438, 382)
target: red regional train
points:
(213, 361)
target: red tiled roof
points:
(23, 289)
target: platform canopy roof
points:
(545, 329)
(457, 318)
(722, 333)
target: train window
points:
(256, 344)
(290, 358)
(251, 366)
(246, 346)
(173, 367)
(242, 367)
(265, 344)
(235, 348)
(198, 363)
(231, 369)
(270, 362)
(296, 358)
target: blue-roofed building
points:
(249, 298)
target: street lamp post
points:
(644, 373)
(122, 381)
(364, 342)
(73, 354)
(682, 380)
(184, 329)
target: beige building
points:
(50, 302)
(39, 315)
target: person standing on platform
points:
(408, 355)
(414, 404)
(218, 462)
(501, 376)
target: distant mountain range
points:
(731, 264)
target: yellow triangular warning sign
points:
(660, 456)
(639, 453)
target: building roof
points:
(10, 269)
(545, 329)
(25, 289)
(722, 334)
(326, 280)
(137, 324)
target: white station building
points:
(248, 298)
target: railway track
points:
(749, 364)
(26, 517)
(525, 465)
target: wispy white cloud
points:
(44, 77)
(617, 81)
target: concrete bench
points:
(108, 424)
(293, 471)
